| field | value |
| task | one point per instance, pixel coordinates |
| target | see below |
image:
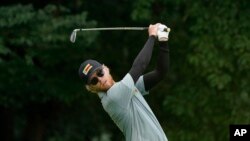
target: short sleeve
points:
(121, 92)
(140, 86)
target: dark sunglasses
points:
(94, 80)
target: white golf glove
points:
(162, 35)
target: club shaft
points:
(114, 28)
(73, 34)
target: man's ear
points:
(87, 87)
(105, 67)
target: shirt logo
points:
(135, 91)
(86, 69)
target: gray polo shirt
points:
(126, 106)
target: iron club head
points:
(73, 35)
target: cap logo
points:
(86, 69)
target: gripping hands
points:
(163, 32)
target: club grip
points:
(167, 29)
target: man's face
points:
(101, 80)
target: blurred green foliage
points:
(42, 98)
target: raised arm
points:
(143, 58)
(162, 67)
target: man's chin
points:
(104, 89)
(107, 86)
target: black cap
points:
(87, 68)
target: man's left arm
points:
(162, 67)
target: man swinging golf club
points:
(123, 100)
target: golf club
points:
(73, 34)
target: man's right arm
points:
(143, 58)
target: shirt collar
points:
(101, 94)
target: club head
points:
(73, 35)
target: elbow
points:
(159, 75)
(163, 71)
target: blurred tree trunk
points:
(35, 124)
(6, 124)
(38, 116)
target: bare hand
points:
(152, 29)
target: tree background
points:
(42, 98)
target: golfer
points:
(123, 100)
